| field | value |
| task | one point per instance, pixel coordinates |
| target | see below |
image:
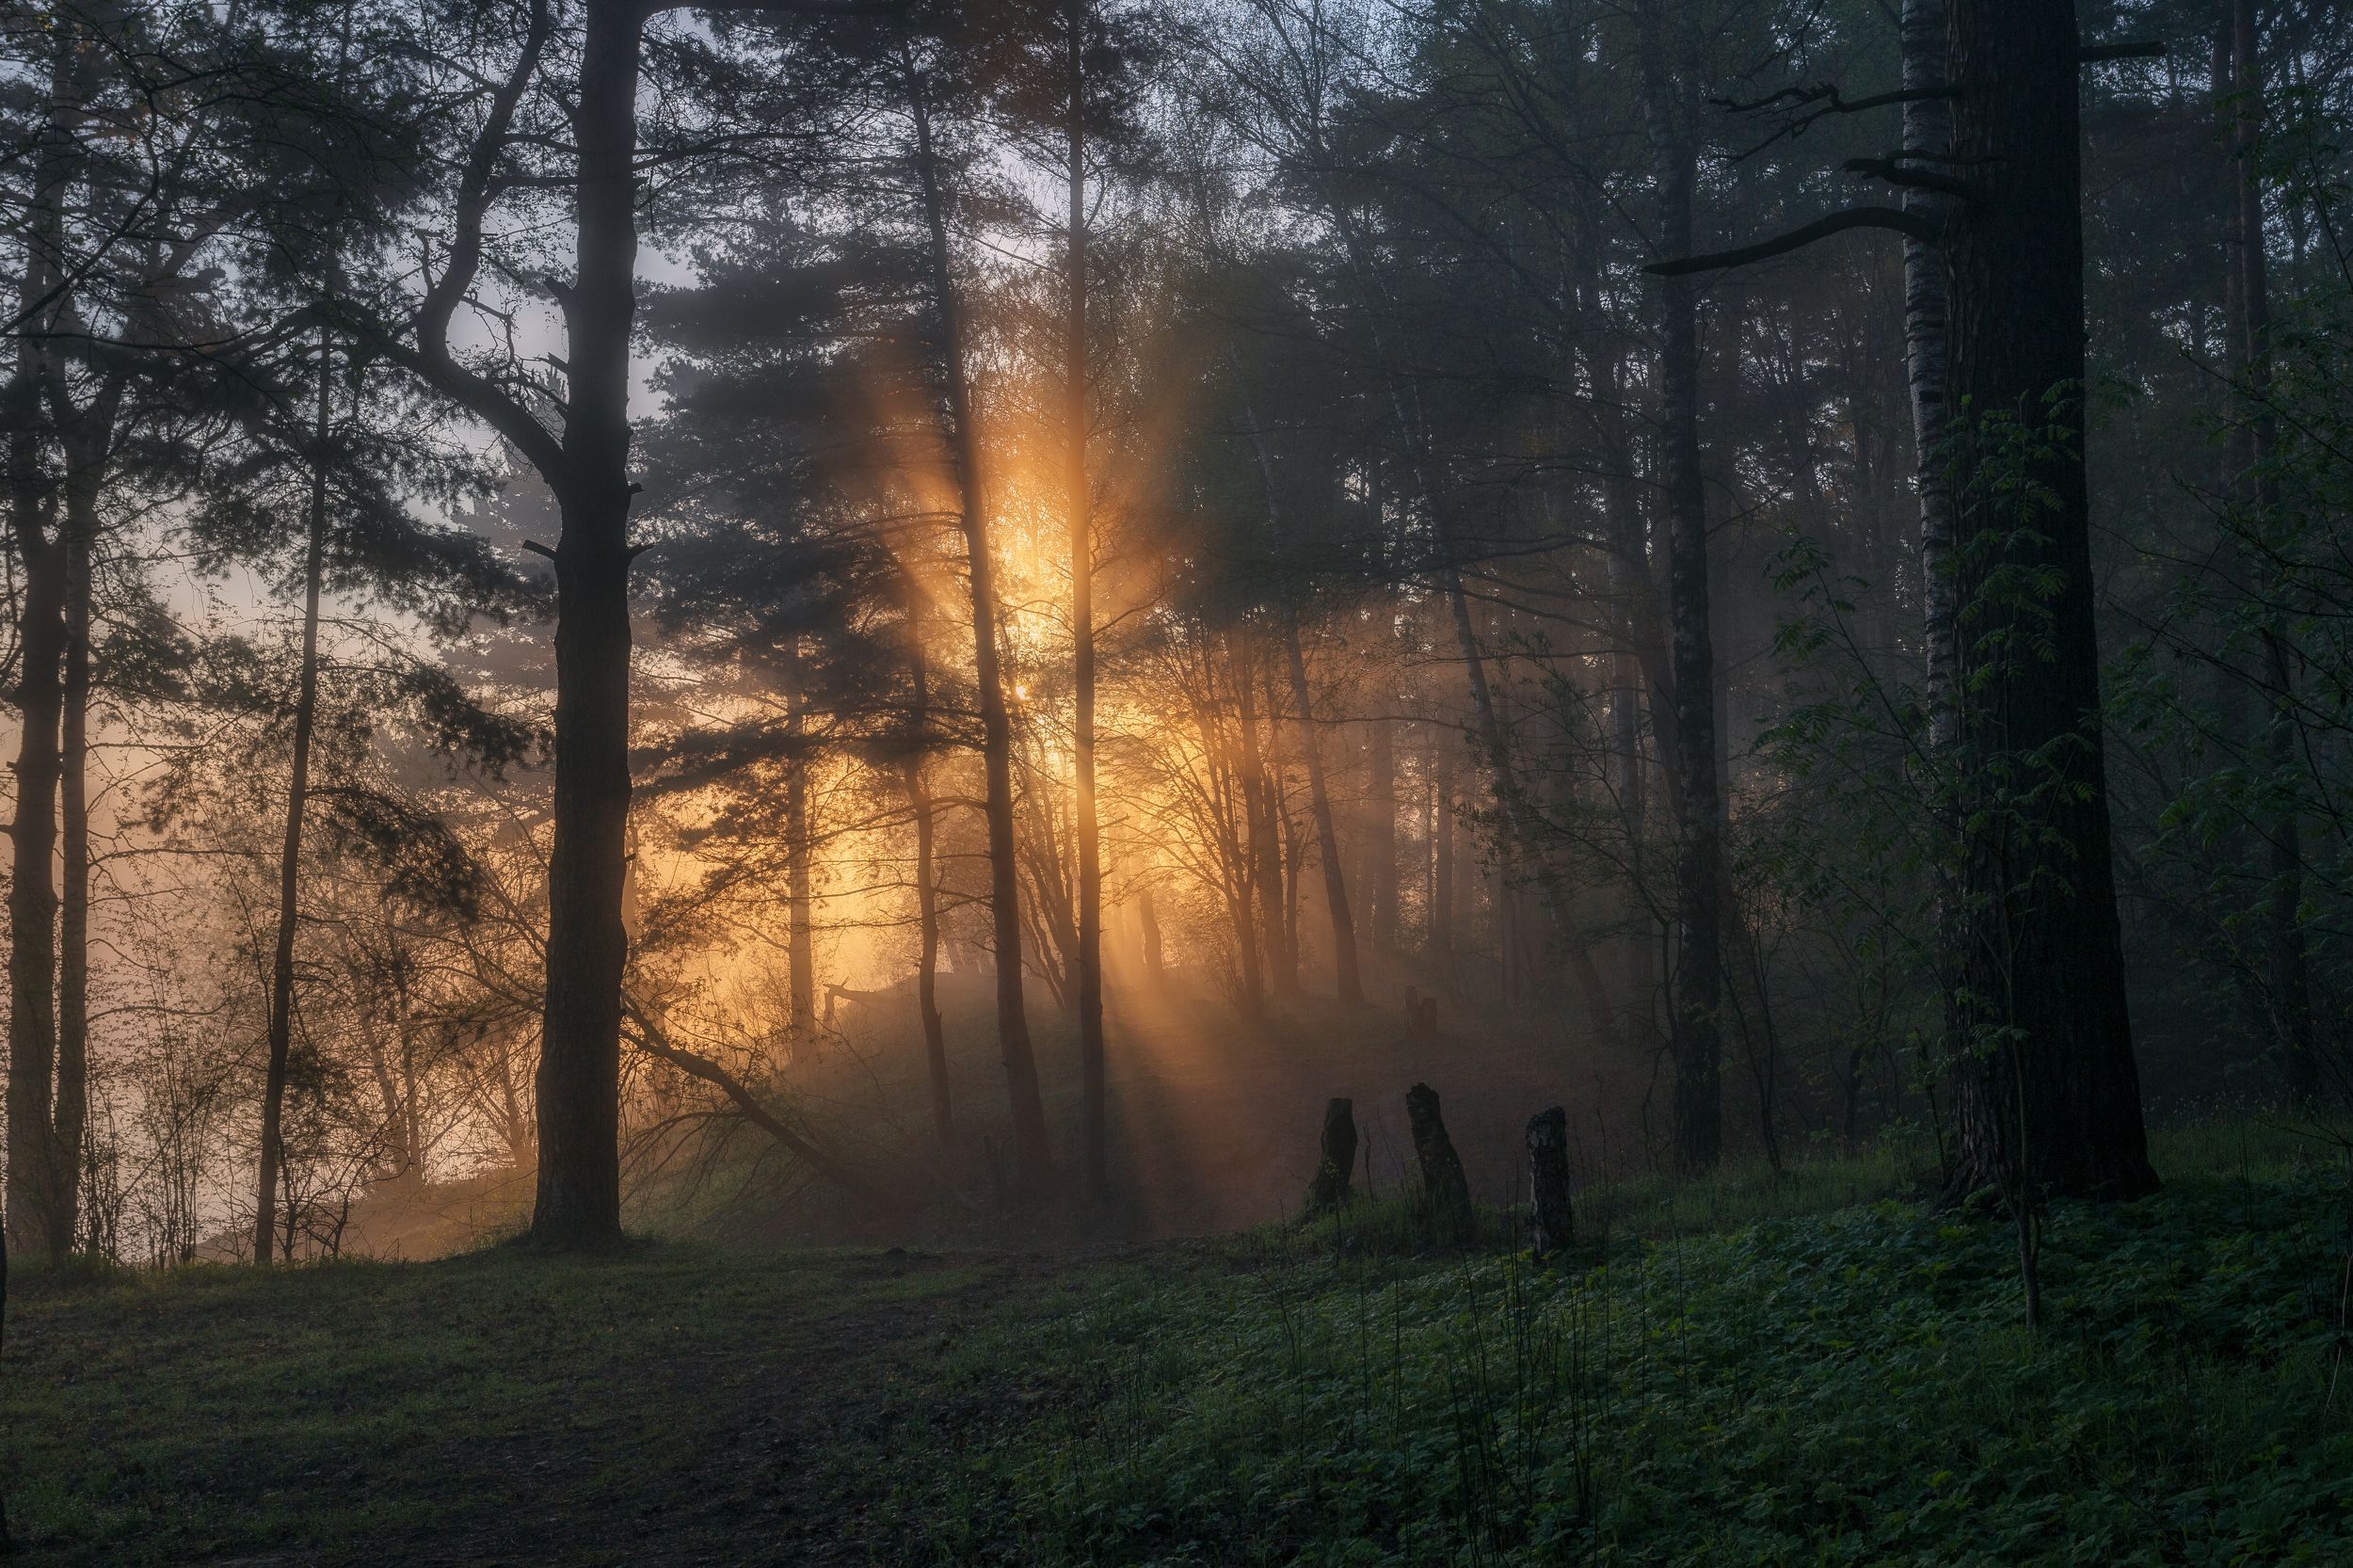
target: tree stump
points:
(1334, 1160)
(1549, 1181)
(1442, 1180)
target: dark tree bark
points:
(579, 1197)
(1336, 1159)
(1667, 109)
(2049, 1093)
(1555, 1225)
(1442, 1180)
(1033, 1174)
(281, 975)
(1093, 1158)
(41, 559)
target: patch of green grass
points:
(1854, 1386)
(1800, 1370)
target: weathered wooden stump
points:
(1549, 1181)
(1336, 1158)
(1441, 1179)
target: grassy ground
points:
(1753, 1372)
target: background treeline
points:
(780, 600)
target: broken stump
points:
(1441, 1179)
(1336, 1158)
(1555, 1225)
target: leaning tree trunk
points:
(281, 975)
(1699, 859)
(1093, 1156)
(1034, 1167)
(2049, 1093)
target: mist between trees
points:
(833, 614)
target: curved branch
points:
(431, 357)
(649, 1038)
(1910, 225)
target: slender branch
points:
(2137, 49)
(1892, 169)
(649, 1038)
(1911, 224)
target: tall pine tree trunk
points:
(1094, 1158)
(40, 693)
(579, 1196)
(1668, 101)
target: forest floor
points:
(1755, 1371)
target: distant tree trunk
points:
(1928, 127)
(800, 848)
(2049, 1093)
(1381, 835)
(69, 1116)
(1034, 1167)
(88, 442)
(1348, 983)
(281, 975)
(1148, 921)
(1094, 1166)
(1264, 813)
(1668, 94)
(921, 806)
(2289, 980)
(927, 958)
(1441, 877)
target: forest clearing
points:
(1176, 782)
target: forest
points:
(1176, 781)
